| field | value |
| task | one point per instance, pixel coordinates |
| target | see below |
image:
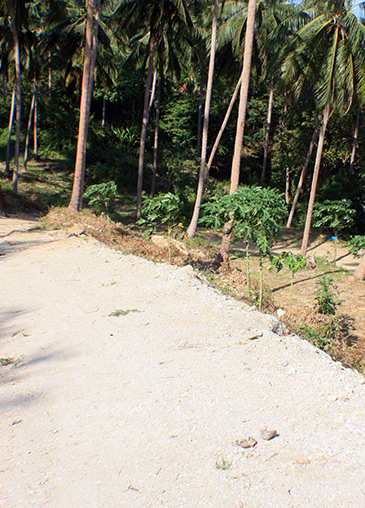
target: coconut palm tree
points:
(16, 13)
(236, 160)
(156, 23)
(330, 51)
(91, 35)
(202, 173)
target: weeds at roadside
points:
(7, 361)
(222, 464)
(120, 312)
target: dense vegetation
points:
(144, 122)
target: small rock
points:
(268, 434)
(250, 442)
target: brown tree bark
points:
(91, 31)
(35, 121)
(354, 143)
(145, 119)
(11, 122)
(30, 120)
(223, 126)
(303, 172)
(18, 78)
(191, 231)
(267, 133)
(157, 130)
(200, 115)
(236, 161)
(317, 165)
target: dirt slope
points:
(129, 383)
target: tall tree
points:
(236, 161)
(202, 174)
(15, 9)
(332, 43)
(91, 33)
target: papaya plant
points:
(256, 213)
(161, 210)
(101, 196)
(294, 262)
(334, 216)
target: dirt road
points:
(125, 383)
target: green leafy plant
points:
(334, 216)
(120, 312)
(294, 262)
(327, 296)
(162, 210)
(357, 244)
(222, 463)
(256, 213)
(101, 196)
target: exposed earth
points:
(127, 383)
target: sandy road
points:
(129, 383)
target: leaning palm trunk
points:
(236, 161)
(317, 166)
(145, 119)
(18, 77)
(50, 86)
(303, 172)
(35, 121)
(223, 126)
(30, 120)
(86, 94)
(354, 143)
(11, 122)
(199, 193)
(157, 129)
(267, 133)
(200, 115)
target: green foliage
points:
(121, 312)
(357, 244)
(163, 209)
(256, 212)
(222, 463)
(294, 262)
(327, 296)
(334, 216)
(101, 196)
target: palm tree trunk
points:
(354, 143)
(157, 128)
(18, 77)
(303, 172)
(200, 115)
(30, 120)
(145, 119)
(4, 78)
(317, 166)
(50, 86)
(85, 102)
(223, 126)
(194, 220)
(236, 161)
(267, 133)
(287, 184)
(35, 122)
(11, 122)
